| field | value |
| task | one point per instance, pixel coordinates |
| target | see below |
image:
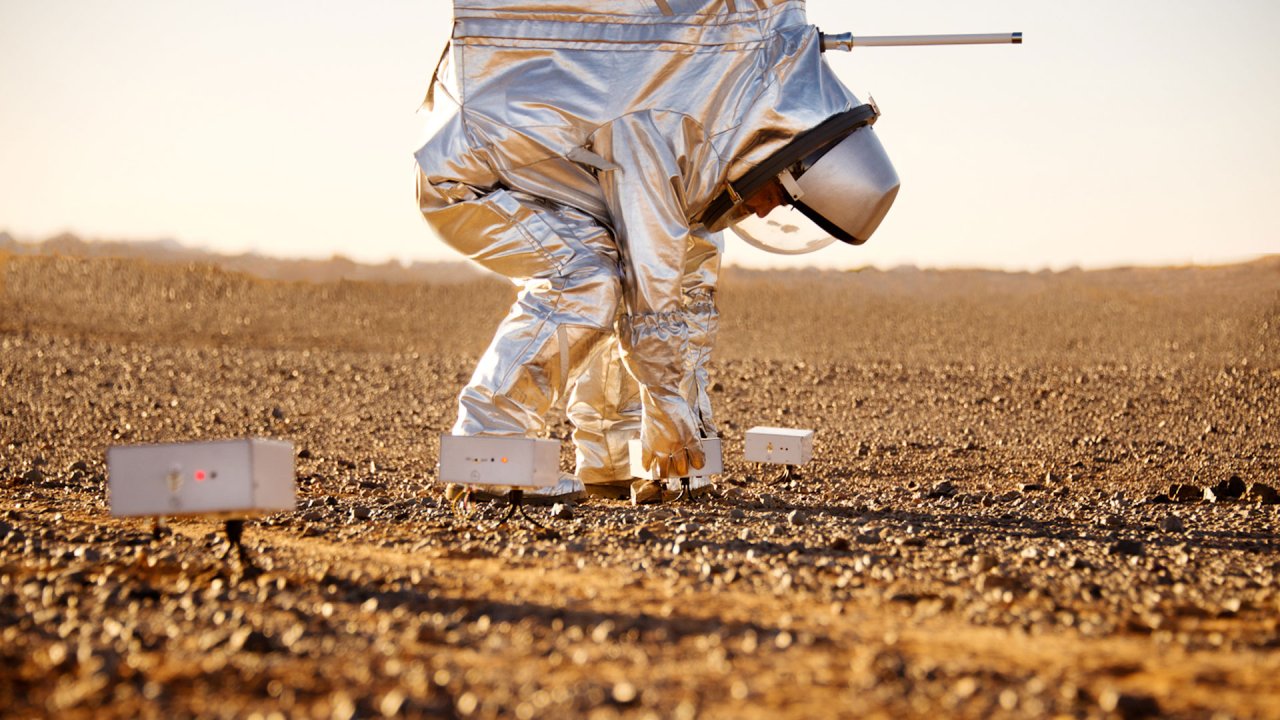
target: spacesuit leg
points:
(604, 407)
(565, 265)
(532, 359)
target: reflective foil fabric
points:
(589, 135)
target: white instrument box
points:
(247, 476)
(508, 461)
(697, 479)
(780, 446)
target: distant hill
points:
(337, 268)
(171, 251)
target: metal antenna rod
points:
(846, 41)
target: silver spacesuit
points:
(591, 140)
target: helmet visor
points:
(840, 194)
(784, 231)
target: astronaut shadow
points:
(638, 626)
(972, 528)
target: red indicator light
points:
(200, 476)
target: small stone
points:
(1113, 521)
(797, 517)
(361, 512)
(250, 640)
(1184, 493)
(943, 489)
(88, 554)
(868, 537)
(1030, 487)
(1262, 493)
(391, 703)
(644, 534)
(1009, 699)
(839, 544)
(1127, 547)
(1232, 488)
(561, 511)
(717, 387)
(983, 563)
(1078, 563)
(624, 693)
(34, 475)
(768, 501)
(1129, 705)
(1172, 523)
(277, 413)
(997, 581)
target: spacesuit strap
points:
(664, 6)
(823, 137)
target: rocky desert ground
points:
(1034, 495)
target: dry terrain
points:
(1033, 495)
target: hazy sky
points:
(1135, 132)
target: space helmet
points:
(836, 183)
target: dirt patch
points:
(988, 528)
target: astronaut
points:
(598, 149)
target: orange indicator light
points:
(504, 460)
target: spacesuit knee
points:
(566, 268)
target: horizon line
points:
(175, 245)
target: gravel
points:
(1004, 463)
